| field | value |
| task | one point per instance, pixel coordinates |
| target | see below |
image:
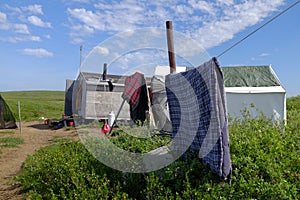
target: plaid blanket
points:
(197, 107)
(135, 93)
(132, 88)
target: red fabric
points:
(132, 88)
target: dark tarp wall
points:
(68, 97)
(7, 119)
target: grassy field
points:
(36, 104)
(265, 165)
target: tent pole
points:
(171, 51)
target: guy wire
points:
(272, 19)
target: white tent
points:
(165, 70)
(256, 88)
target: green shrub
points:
(265, 163)
(67, 171)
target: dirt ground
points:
(35, 135)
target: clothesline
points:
(263, 25)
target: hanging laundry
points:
(160, 104)
(135, 93)
(197, 107)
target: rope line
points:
(272, 19)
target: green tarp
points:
(7, 119)
(249, 76)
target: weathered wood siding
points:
(99, 104)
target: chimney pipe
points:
(104, 72)
(171, 51)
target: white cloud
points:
(79, 32)
(34, 38)
(21, 28)
(37, 52)
(21, 39)
(209, 22)
(3, 18)
(115, 17)
(203, 6)
(17, 20)
(47, 36)
(234, 20)
(81, 1)
(34, 9)
(88, 18)
(102, 50)
(4, 25)
(38, 22)
(13, 9)
(264, 54)
(82, 30)
(226, 2)
(183, 9)
(77, 40)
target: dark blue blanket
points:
(197, 107)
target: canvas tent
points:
(7, 119)
(256, 88)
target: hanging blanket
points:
(132, 88)
(197, 107)
(135, 93)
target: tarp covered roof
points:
(250, 76)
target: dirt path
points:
(35, 136)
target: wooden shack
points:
(92, 98)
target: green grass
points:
(10, 142)
(265, 162)
(36, 104)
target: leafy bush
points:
(68, 171)
(265, 161)
(293, 103)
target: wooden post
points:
(171, 51)
(19, 111)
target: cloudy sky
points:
(40, 40)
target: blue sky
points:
(40, 40)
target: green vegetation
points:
(36, 104)
(293, 103)
(10, 142)
(265, 161)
